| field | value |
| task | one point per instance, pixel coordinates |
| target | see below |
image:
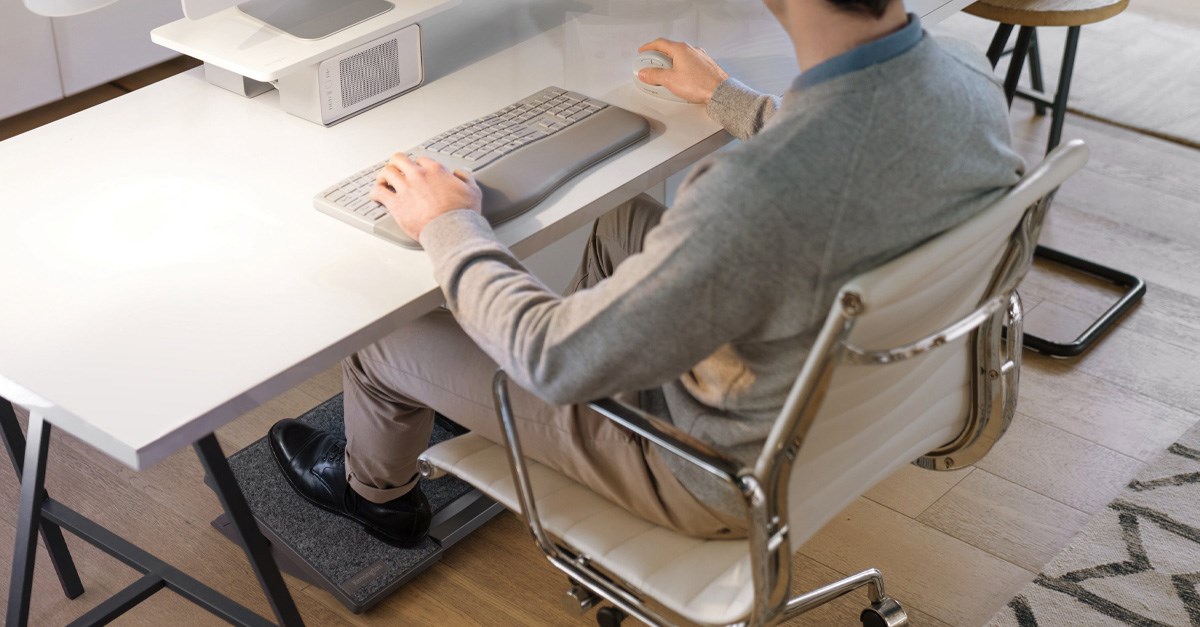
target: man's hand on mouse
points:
(693, 75)
(417, 192)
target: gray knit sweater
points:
(721, 307)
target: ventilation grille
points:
(369, 73)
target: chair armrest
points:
(641, 423)
(970, 322)
(666, 435)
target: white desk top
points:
(163, 266)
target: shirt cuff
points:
(453, 236)
(730, 101)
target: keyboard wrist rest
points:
(520, 180)
(517, 182)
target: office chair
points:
(942, 393)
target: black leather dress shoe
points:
(314, 463)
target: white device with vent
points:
(323, 77)
(356, 80)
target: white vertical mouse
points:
(653, 59)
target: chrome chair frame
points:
(993, 327)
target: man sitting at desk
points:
(708, 309)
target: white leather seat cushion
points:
(705, 581)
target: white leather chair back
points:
(877, 417)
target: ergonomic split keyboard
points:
(519, 155)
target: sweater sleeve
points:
(661, 312)
(741, 110)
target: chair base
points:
(883, 611)
(610, 617)
(886, 613)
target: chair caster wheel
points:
(886, 613)
(609, 617)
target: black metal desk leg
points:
(60, 555)
(257, 549)
(20, 586)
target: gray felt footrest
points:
(335, 553)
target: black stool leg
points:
(60, 555)
(258, 551)
(1035, 72)
(999, 41)
(1064, 88)
(20, 588)
(1017, 62)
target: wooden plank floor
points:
(954, 546)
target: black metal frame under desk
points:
(40, 514)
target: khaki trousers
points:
(393, 387)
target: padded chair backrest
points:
(875, 418)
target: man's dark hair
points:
(871, 7)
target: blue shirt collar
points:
(864, 56)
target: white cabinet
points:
(111, 42)
(28, 67)
(43, 59)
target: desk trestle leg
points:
(25, 549)
(60, 556)
(252, 541)
(39, 512)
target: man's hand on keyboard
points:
(417, 192)
(693, 75)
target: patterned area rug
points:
(1135, 563)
